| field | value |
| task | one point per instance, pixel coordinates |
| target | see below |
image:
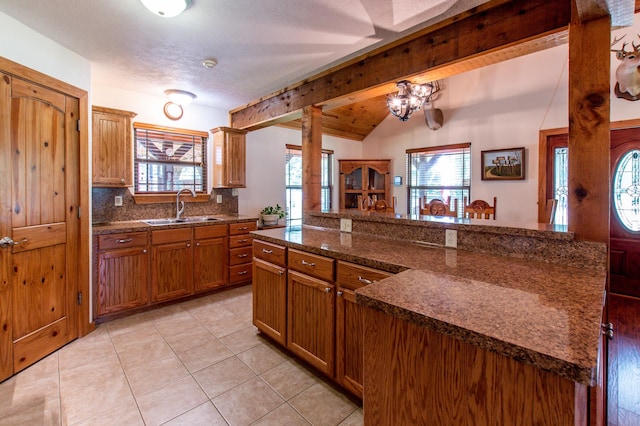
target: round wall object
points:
(173, 111)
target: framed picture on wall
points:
(503, 164)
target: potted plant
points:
(271, 215)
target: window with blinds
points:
(438, 172)
(293, 183)
(167, 159)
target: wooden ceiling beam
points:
(499, 31)
(588, 10)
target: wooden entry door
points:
(39, 169)
(625, 242)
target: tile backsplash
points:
(104, 209)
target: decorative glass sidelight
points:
(626, 190)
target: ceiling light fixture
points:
(179, 97)
(166, 8)
(409, 99)
(209, 63)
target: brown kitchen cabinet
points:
(229, 157)
(350, 323)
(367, 180)
(123, 272)
(171, 264)
(210, 254)
(270, 290)
(240, 266)
(112, 145)
(311, 309)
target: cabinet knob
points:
(280, 272)
(122, 180)
(364, 280)
(144, 251)
(243, 272)
(267, 251)
(188, 244)
(198, 244)
(327, 290)
(243, 241)
(242, 255)
(339, 294)
(310, 264)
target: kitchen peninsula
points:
(461, 336)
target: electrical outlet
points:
(451, 238)
(345, 225)
(118, 201)
(235, 192)
(218, 198)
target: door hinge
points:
(78, 123)
(79, 212)
(79, 298)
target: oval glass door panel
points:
(626, 190)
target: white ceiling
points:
(261, 45)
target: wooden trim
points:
(169, 198)
(13, 68)
(441, 148)
(465, 42)
(146, 126)
(299, 147)
(95, 108)
(587, 10)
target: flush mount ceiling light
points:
(180, 97)
(409, 99)
(166, 8)
(209, 63)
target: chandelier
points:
(410, 98)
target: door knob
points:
(7, 242)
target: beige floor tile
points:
(210, 313)
(186, 340)
(247, 402)
(176, 325)
(86, 349)
(228, 325)
(96, 370)
(80, 404)
(170, 401)
(126, 325)
(45, 414)
(136, 338)
(199, 357)
(283, 415)
(221, 377)
(32, 387)
(145, 352)
(203, 415)
(355, 419)
(262, 357)
(154, 375)
(289, 379)
(126, 414)
(322, 405)
(242, 340)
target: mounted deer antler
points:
(628, 72)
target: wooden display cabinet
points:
(112, 146)
(229, 157)
(367, 180)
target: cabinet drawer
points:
(240, 273)
(240, 241)
(203, 232)
(170, 235)
(239, 255)
(241, 228)
(270, 252)
(311, 264)
(354, 276)
(126, 240)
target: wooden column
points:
(311, 158)
(589, 122)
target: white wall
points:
(499, 106)
(266, 149)
(25, 46)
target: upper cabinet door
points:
(229, 158)
(112, 147)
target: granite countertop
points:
(138, 225)
(543, 314)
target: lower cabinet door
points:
(311, 320)
(270, 300)
(172, 273)
(210, 263)
(349, 341)
(123, 279)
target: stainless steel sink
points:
(173, 220)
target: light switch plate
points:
(451, 238)
(235, 192)
(218, 198)
(118, 201)
(345, 225)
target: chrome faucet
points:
(180, 204)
